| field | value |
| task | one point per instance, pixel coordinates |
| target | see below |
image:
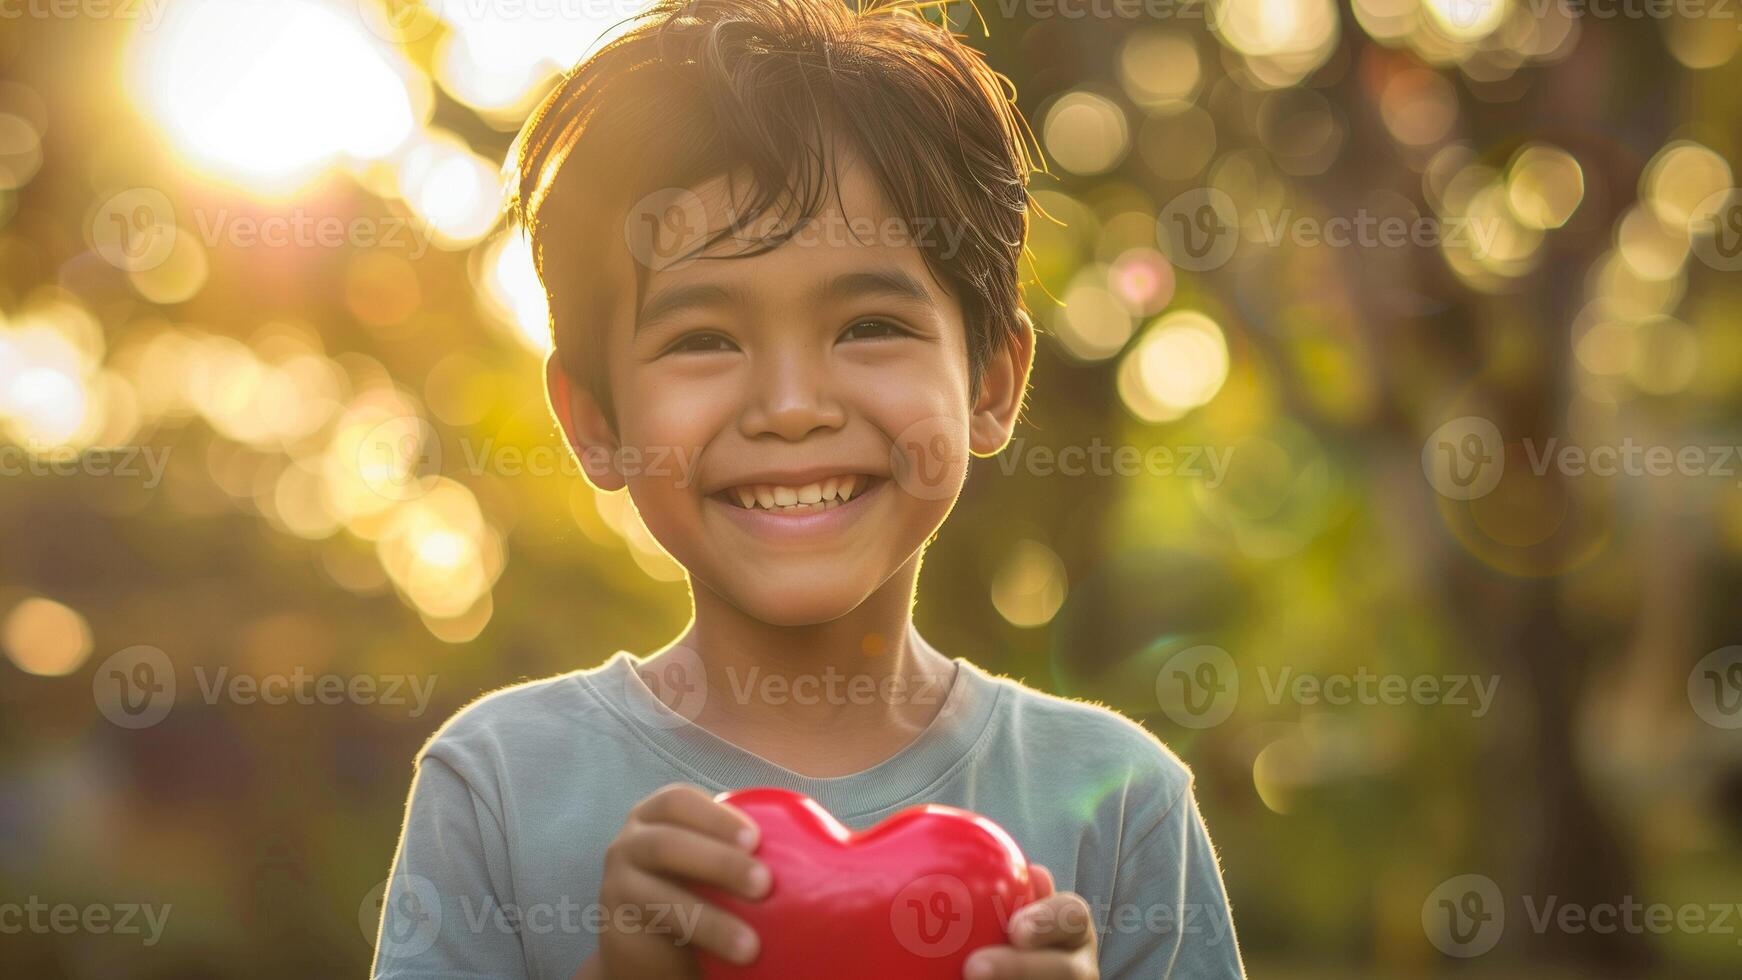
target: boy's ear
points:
(590, 436)
(1001, 391)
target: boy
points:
(818, 309)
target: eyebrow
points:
(702, 295)
(889, 281)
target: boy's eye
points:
(872, 329)
(704, 342)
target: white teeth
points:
(820, 495)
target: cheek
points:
(676, 418)
(927, 428)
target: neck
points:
(772, 687)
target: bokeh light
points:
(1544, 186)
(1160, 69)
(497, 58)
(1086, 133)
(229, 81)
(46, 638)
(1030, 586)
(345, 461)
(1179, 364)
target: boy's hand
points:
(676, 836)
(1051, 938)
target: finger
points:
(653, 905)
(675, 851)
(688, 806)
(1042, 881)
(1010, 963)
(1059, 922)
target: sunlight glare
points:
(266, 94)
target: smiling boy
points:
(780, 240)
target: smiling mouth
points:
(810, 498)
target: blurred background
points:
(1375, 287)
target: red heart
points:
(909, 898)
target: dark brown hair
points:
(698, 89)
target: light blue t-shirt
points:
(516, 797)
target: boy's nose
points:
(791, 398)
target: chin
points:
(810, 605)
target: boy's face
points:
(811, 405)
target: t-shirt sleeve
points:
(443, 912)
(1169, 915)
